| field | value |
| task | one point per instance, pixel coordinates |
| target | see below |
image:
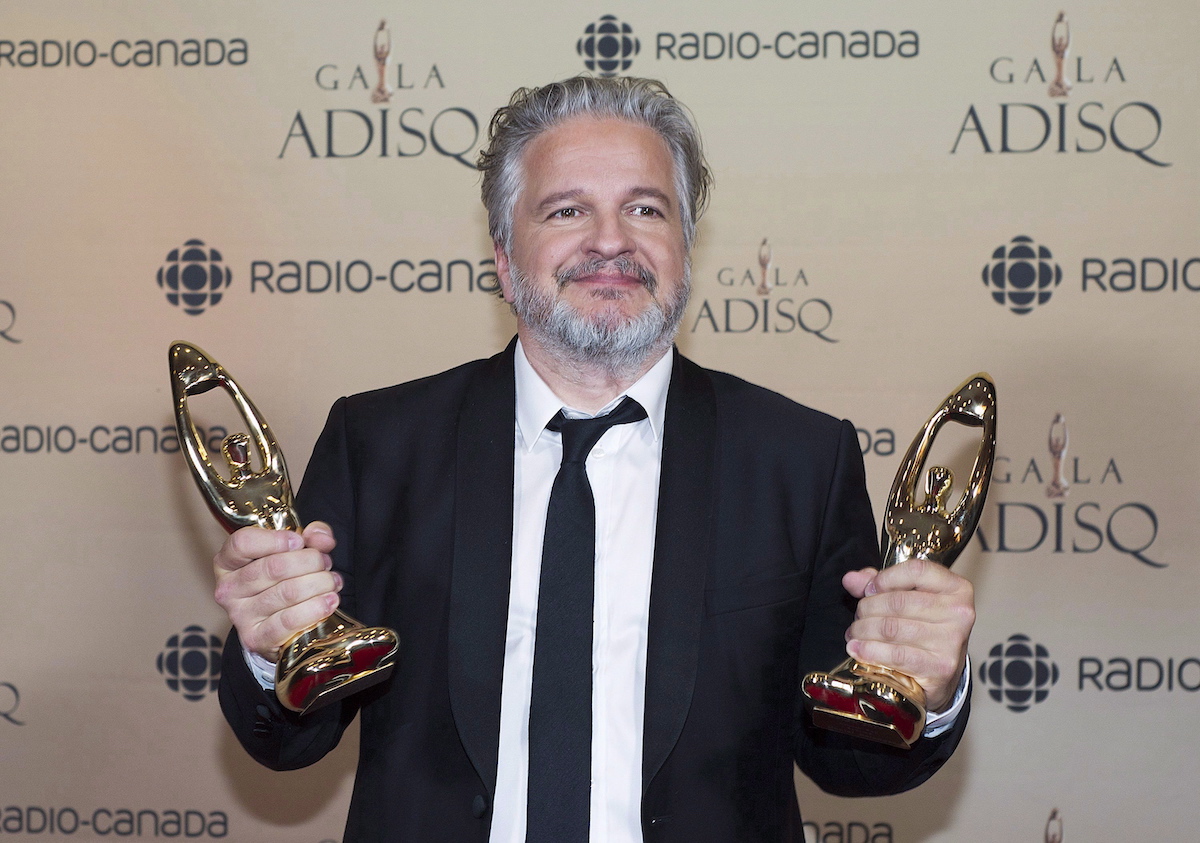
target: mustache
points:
(622, 264)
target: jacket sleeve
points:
(837, 763)
(271, 734)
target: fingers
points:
(318, 536)
(259, 575)
(915, 617)
(250, 543)
(911, 575)
(276, 583)
(266, 635)
(919, 574)
(937, 671)
(297, 588)
(956, 607)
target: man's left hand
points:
(914, 617)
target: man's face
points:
(598, 268)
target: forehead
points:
(590, 153)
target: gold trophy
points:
(383, 51)
(337, 657)
(878, 703)
(1059, 439)
(1061, 45)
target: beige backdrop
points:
(885, 152)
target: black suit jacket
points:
(762, 508)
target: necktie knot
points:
(579, 436)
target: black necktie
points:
(560, 709)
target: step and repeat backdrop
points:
(907, 193)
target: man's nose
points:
(609, 236)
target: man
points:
(732, 536)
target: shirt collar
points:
(537, 403)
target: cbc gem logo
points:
(194, 277)
(608, 46)
(1021, 275)
(191, 663)
(1018, 673)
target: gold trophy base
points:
(336, 658)
(867, 701)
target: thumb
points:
(860, 583)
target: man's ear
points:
(503, 271)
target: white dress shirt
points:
(623, 469)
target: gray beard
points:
(619, 346)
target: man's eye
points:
(565, 213)
(646, 211)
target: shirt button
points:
(598, 452)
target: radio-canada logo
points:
(194, 277)
(608, 46)
(191, 663)
(1022, 275)
(1018, 673)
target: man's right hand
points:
(276, 583)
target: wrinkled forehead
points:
(597, 154)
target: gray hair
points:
(532, 111)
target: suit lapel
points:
(682, 546)
(482, 564)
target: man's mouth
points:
(621, 271)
